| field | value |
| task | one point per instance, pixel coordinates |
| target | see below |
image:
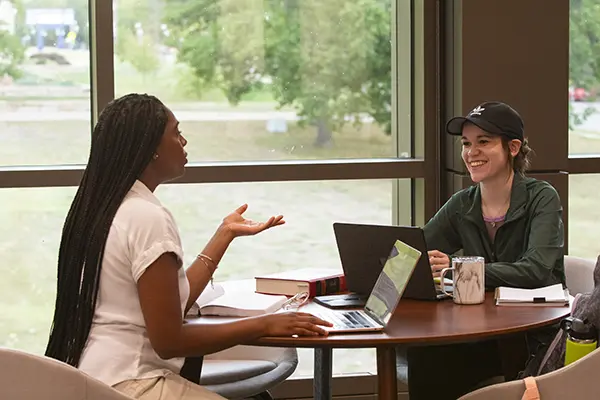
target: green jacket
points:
(528, 248)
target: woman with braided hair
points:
(122, 290)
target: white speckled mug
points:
(468, 278)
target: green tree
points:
(128, 13)
(331, 60)
(221, 41)
(140, 52)
(12, 54)
(138, 49)
(584, 51)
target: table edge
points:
(348, 340)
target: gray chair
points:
(580, 274)
(247, 371)
(575, 381)
(25, 376)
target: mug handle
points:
(442, 286)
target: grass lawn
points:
(67, 142)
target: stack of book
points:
(267, 294)
(315, 281)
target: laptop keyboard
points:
(347, 319)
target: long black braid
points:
(124, 140)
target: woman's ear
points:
(514, 146)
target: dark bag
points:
(552, 356)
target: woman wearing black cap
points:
(513, 221)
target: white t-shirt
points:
(118, 347)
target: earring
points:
(155, 156)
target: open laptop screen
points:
(392, 281)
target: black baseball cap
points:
(493, 117)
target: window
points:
(30, 232)
(315, 96)
(256, 80)
(34, 218)
(584, 78)
(307, 238)
(309, 208)
(45, 87)
(265, 80)
(584, 132)
(584, 216)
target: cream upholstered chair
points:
(236, 373)
(25, 376)
(247, 371)
(578, 380)
(580, 274)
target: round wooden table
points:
(419, 323)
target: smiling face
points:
(485, 156)
(171, 155)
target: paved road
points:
(49, 113)
(79, 111)
(20, 115)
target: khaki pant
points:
(168, 387)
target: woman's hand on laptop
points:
(294, 323)
(438, 262)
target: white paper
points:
(243, 304)
(210, 293)
(551, 294)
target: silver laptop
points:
(384, 297)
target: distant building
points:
(42, 20)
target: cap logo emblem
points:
(476, 111)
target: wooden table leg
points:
(387, 387)
(323, 373)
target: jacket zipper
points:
(493, 244)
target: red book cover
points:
(315, 281)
